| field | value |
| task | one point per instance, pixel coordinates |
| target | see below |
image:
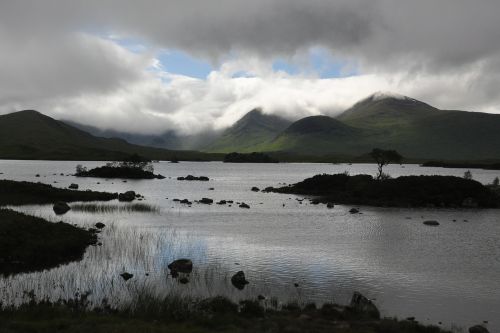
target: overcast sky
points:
(152, 65)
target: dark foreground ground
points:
(211, 315)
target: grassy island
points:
(405, 191)
(25, 193)
(30, 243)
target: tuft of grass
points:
(96, 208)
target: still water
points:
(448, 274)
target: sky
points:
(195, 65)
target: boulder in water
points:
(61, 208)
(239, 281)
(127, 196)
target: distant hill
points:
(31, 135)
(167, 140)
(415, 129)
(248, 133)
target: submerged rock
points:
(100, 225)
(255, 189)
(206, 201)
(181, 266)
(73, 186)
(127, 196)
(431, 223)
(126, 276)
(191, 177)
(354, 211)
(239, 281)
(61, 208)
(244, 205)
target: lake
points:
(448, 274)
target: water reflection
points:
(449, 273)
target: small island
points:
(405, 191)
(29, 243)
(133, 167)
(249, 158)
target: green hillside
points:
(251, 131)
(417, 130)
(32, 135)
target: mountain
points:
(389, 121)
(247, 134)
(31, 135)
(167, 140)
(386, 109)
(316, 135)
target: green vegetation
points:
(248, 158)
(218, 314)
(31, 135)
(251, 130)
(415, 129)
(407, 191)
(132, 167)
(30, 243)
(25, 193)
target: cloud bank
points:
(69, 60)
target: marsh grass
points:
(98, 208)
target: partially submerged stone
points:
(61, 208)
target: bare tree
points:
(383, 158)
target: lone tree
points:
(383, 158)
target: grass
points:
(29, 243)
(24, 193)
(216, 314)
(95, 208)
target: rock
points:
(206, 201)
(222, 202)
(354, 211)
(244, 205)
(176, 200)
(181, 266)
(330, 205)
(362, 304)
(61, 208)
(314, 202)
(470, 203)
(261, 297)
(73, 186)
(431, 223)
(230, 201)
(410, 318)
(126, 276)
(255, 189)
(184, 280)
(191, 177)
(37, 175)
(100, 225)
(211, 188)
(239, 281)
(478, 329)
(127, 196)
(185, 201)
(268, 189)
